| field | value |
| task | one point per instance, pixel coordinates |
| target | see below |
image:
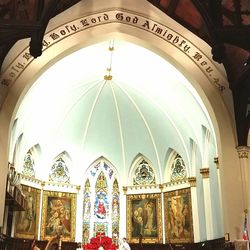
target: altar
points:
(100, 242)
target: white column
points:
(195, 211)
(79, 210)
(123, 214)
(163, 216)
(216, 161)
(40, 211)
(207, 202)
(243, 152)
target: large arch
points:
(143, 34)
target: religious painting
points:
(101, 205)
(58, 215)
(178, 216)
(26, 222)
(144, 218)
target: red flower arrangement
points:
(100, 241)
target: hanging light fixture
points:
(108, 76)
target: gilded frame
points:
(178, 216)
(26, 222)
(58, 215)
(144, 218)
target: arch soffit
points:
(118, 30)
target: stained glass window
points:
(101, 199)
(28, 166)
(86, 211)
(115, 209)
(144, 174)
(178, 169)
(59, 172)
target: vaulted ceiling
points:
(111, 103)
(224, 25)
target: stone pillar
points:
(195, 211)
(243, 152)
(207, 202)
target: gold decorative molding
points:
(204, 172)
(107, 77)
(192, 181)
(43, 184)
(125, 189)
(216, 161)
(243, 152)
(78, 188)
(111, 48)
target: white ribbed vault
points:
(148, 108)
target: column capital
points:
(216, 161)
(204, 172)
(125, 189)
(243, 151)
(192, 181)
(42, 184)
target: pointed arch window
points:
(144, 174)
(178, 169)
(28, 166)
(59, 172)
(101, 189)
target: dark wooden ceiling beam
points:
(219, 35)
(172, 7)
(12, 30)
(238, 36)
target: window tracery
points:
(59, 172)
(28, 166)
(104, 197)
(178, 169)
(144, 174)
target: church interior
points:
(124, 119)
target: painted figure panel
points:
(144, 218)
(178, 217)
(58, 215)
(26, 222)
